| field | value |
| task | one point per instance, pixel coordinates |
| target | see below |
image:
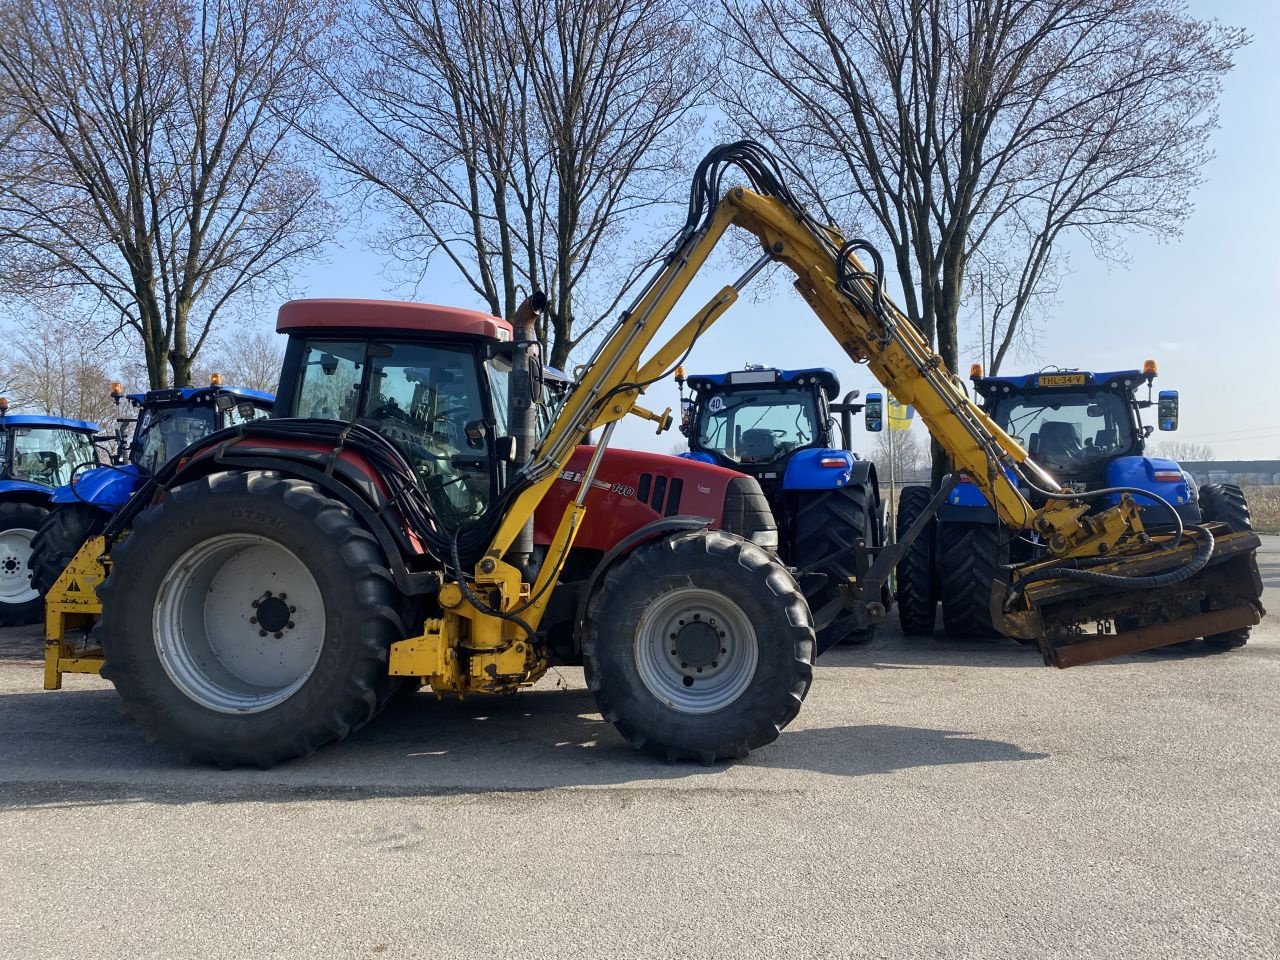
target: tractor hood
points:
(108, 488)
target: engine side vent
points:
(673, 497)
(659, 493)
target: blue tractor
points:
(39, 454)
(777, 426)
(165, 423)
(1086, 429)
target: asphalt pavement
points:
(933, 799)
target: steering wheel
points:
(386, 411)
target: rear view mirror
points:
(1167, 410)
(686, 415)
(329, 364)
(873, 412)
(477, 432)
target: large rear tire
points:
(969, 559)
(916, 596)
(1226, 503)
(20, 602)
(247, 620)
(742, 639)
(59, 539)
(827, 524)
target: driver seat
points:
(1059, 440)
(756, 446)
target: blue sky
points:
(1201, 305)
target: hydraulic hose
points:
(1075, 570)
(1109, 491)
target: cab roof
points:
(185, 394)
(389, 315)
(1031, 381)
(35, 420)
(765, 376)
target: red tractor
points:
(378, 399)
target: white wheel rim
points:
(15, 577)
(696, 650)
(216, 617)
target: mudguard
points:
(1141, 472)
(108, 488)
(806, 470)
(698, 455)
(26, 487)
(966, 504)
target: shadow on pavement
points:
(914, 653)
(76, 748)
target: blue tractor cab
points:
(39, 453)
(1087, 430)
(778, 426)
(164, 423)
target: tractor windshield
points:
(756, 426)
(49, 455)
(164, 432)
(1068, 431)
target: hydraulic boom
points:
(1142, 589)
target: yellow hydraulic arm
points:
(849, 300)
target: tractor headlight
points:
(765, 538)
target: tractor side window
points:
(331, 374)
(498, 370)
(49, 456)
(757, 427)
(423, 397)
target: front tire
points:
(1226, 503)
(969, 558)
(60, 537)
(827, 525)
(20, 601)
(742, 639)
(247, 619)
(917, 599)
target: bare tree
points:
(908, 454)
(955, 129)
(54, 367)
(247, 358)
(1181, 450)
(521, 141)
(152, 171)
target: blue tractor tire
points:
(20, 604)
(916, 593)
(969, 559)
(1226, 503)
(827, 525)
(60, 538)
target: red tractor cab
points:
(434, 381)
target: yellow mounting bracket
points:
(663, 419)
(72, 604)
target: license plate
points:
(1062, 380)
